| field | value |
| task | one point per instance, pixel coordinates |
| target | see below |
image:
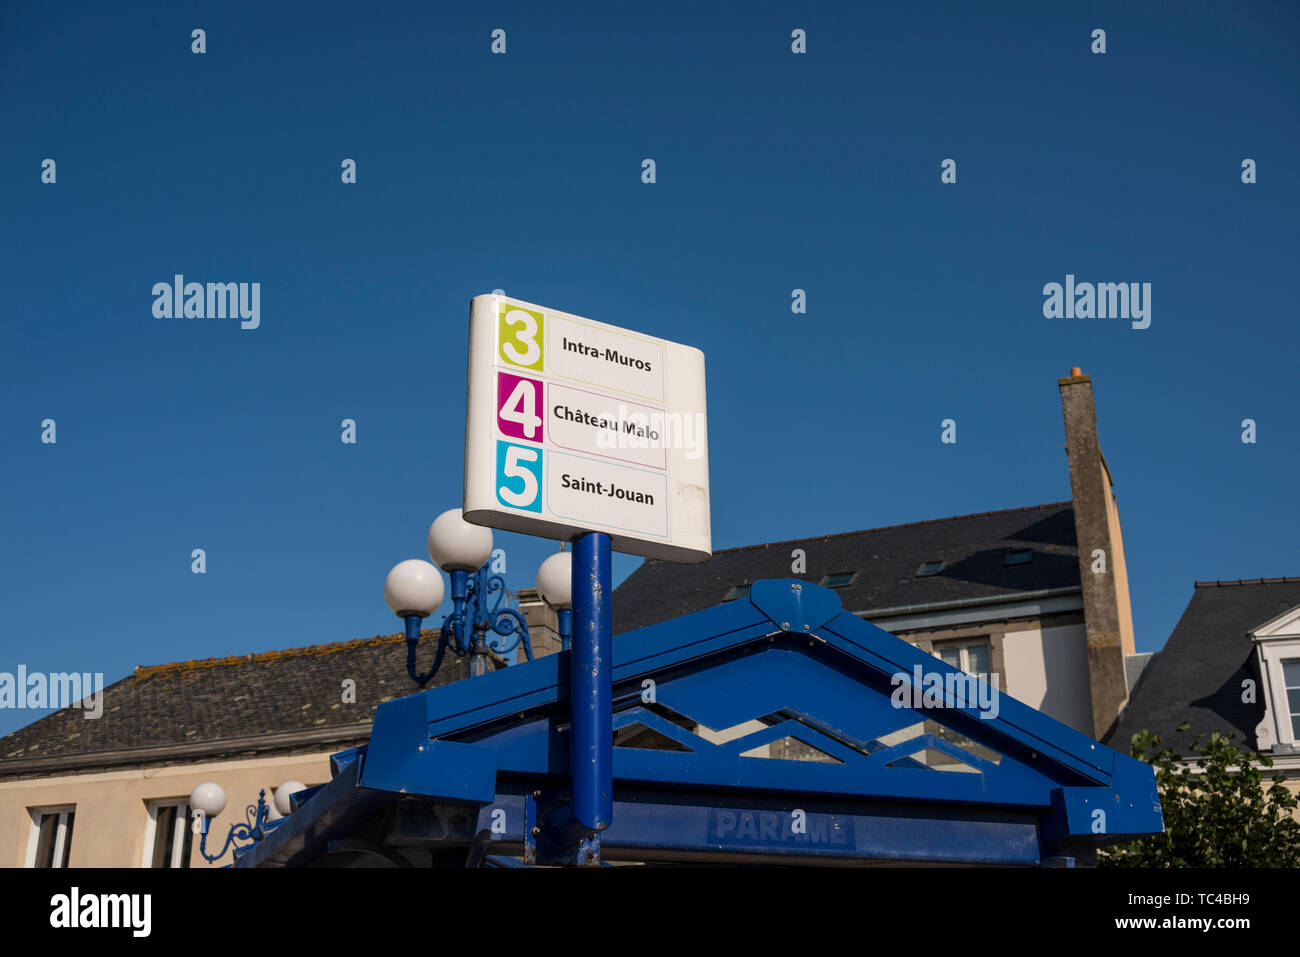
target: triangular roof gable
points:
(791, 655)
(1285, 625)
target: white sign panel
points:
(576, 426)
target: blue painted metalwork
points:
(256, 824)
(696, 703)
(476, 615)
(590, 698)
(565, 616)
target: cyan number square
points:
(519, 476)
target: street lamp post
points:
(577, 586)
(414, 590)
(209, 799)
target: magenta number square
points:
(519, 407)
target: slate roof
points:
(225, 705)
(205, 703)
(972, 548)
(1197, 676)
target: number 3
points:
(531, 354)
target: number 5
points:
(512, 469)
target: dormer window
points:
(1277, 650)
(1019, 557)
(929, 568)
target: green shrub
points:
(1217, 810)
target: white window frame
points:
(1276, 641)
(60, 833)
(151, 830)
(1276, 728)
(1285, 711)
(963, 645)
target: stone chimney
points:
(543, 625)
(1107, 613)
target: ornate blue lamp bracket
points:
(476, 610)
(256, 817)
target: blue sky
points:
(775, 171)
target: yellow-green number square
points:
(519, 336)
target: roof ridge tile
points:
(1248, 581)
(314, 651)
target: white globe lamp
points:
(555, 581)
(413, 589)
(283, 794)
(455, 544)
(208, 798)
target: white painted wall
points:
(1047, 669)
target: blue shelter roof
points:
(778, 728)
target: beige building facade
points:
(120, 816)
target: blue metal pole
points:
(476, 623)
(591, 688)
(565, 616)
(462, 630)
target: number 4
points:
(521, 408)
